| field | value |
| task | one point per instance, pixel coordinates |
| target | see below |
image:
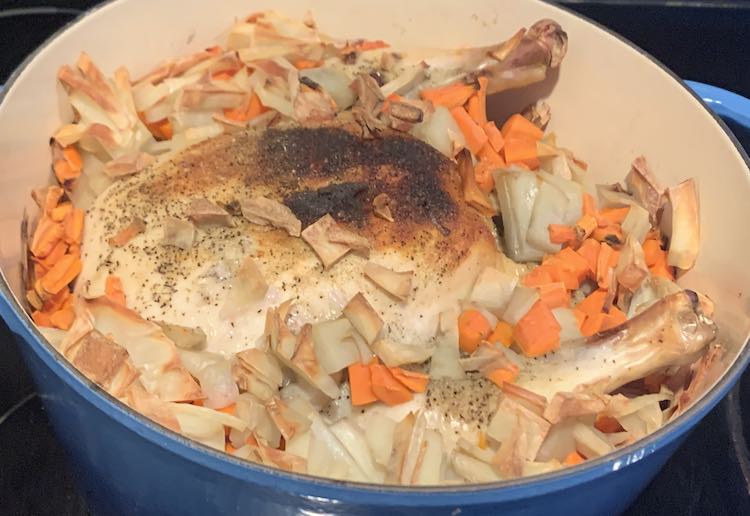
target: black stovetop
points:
(710, 474)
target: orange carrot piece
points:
(360, 385)
(538, 276)
(415, 382)
(607, 424)
(113, 290)
(593, 324)
(73, 225)
(613, 216)
(554, 295)
(503, 375)
(575, 263)
(230, 409)
(474, 135)
(63, 272)
(59, 212)
(652, 252)
(247, 111)
(483, 175)
(561, 234)
(487, 153)
(503, 333)
(46, 236)
(473, 328)
(494, 136)
(607, 260)
(222, 75)
(612, 233)
(364, 45)
(52, 198)
(62, 319)
(519, 127)
(538, 332)
(73, 157)
(521, 151)
(162, 130)
(452, 96)
(54, 256)
(57, 302)
(304, 64)
(587, 224)
(562, 271)
(477, 104)
(593, 303)
(589, 205)
(589, 251)
(42, 319)
(228, 448)
(580, 317)
(614, 318)
(64, 172)
(387, 389)
(573, 458)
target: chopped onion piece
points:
(363, 317)
(395, 283)
(440, 130)
(334, 345)
(395, 354)
(636, 223)
(550, 207)
(493, 290)
(473, 470)
(568, 324)
(516, 194)
(247, 289)
(335, 82)
(590, 441)
(316, 235)
(379, 434)
(356, 445)
(429, 469)
(684, 233)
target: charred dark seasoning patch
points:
(412, 171)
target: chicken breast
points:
(315, 171)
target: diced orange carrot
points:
(537, 332)
(607, 424)
(593, 324)
(554, 295)
(483, 175)
(59, 212)
(575, 263)
(487, 153)
(494, 136)
(64, 172)
(607, 260)
(561, 234)
(503, 333)
(415, 382)
(73, 157)
(614, 318)
(573, 458)
(223, 75)
(62, 319)
(42, 319)
(229, 409)
(52, 199)
(360, 385)
(519, 127)
(386, 388)
(593, 303)
(473, 134)
(162, 130)
(521, 151)
(482, 440)
(537, 277)
(562, 271)
(304, 64)
(587, 224)
(113, 290)
(54, 256)
(589, 251)
(73, 225)
(613, 216)
(57, 301)
(610, 234)
(251, 108)
(589, 205)
(477, 103)
(46, 236)
(228, 448)
(473, 328)
(63, 272)
(652, 252)
(663, 270)
(503, 375)
(364, 45)
(452, 96)
(580, 317)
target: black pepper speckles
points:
(472, 400)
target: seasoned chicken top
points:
(314, 171)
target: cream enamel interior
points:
(610, 104)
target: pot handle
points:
(724, 103)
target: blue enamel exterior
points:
(126, 464)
